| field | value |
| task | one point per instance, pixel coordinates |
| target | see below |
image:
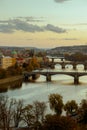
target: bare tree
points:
(28, 116)
(6, 112)
(39, 109)
(3, 102)
(17, 115)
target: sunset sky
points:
(43, 23)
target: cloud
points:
(12, 25)
(53, 28)
(16, 24)
(26, 27)
(6, 28)
(60, 1)
(69, 39)
(32, 19)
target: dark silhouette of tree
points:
(54, 122)
(83, 110)
(2, 73)
(70, 107)
(56, 103)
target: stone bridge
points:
(63, 64)
(48, 75)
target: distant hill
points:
(22, 48)
(67, 49)
(54, 51)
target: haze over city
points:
(43, 23)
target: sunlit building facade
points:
(7, 62)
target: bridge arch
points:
(58, 66)
(61, 77)
(80, 66)
(68, 66)
(83, 79)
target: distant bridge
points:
(48, 75)
(53, 58)
(64, 63)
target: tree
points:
(70, 107)
(28, 116)
(14, 70)
(39, 109)
(2, 73)
(56, 103)
(3, 101)
(32, 64)
(29, 67)
(83, 110)
(35, 63)
(17, 115)
(54, 122)
(6, 112)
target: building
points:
(7, 61)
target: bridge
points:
(53, 58)
(64, 63)
(48, 75)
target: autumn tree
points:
(56, 103)
(35, 63)
(14, 70)
(32, 64)
(29, 67)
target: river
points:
(61, 84)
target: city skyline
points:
(43, 24)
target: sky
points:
(43, 23)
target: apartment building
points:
(7, 61)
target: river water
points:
(61, 84)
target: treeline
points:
(32, 64)
(13, 113)
(10, 71)
(76, 57)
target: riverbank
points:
(11, 82)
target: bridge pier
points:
(76, 79)
(62, 59)
(74, 66)
(63, 66)
(52, 60)
(52, 66)
(48, 77)
(85, 67)
(26, 77)
(35, 76)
